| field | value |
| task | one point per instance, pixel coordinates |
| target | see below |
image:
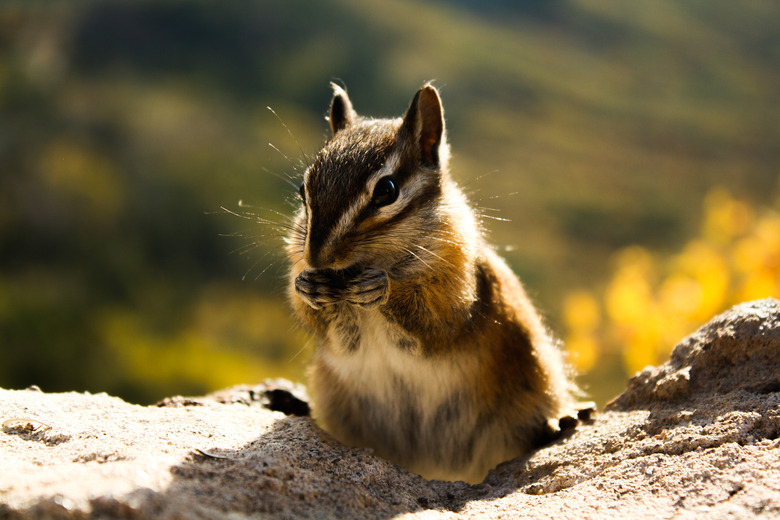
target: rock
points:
(695, 437)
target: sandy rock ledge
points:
(696, 437)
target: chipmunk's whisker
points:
(502, 195)
(287, 179)
(295, 166)
(303, 155)
(255, 264)
(444, 240)
(246, 248)
(476, 179)
(493, 217)
(434, 254)
(429, 266)
(239, 215)
(304, 347)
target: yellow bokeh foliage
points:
(582, 315)
(650, 302)
(221, 342)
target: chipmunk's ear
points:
(424, 122)
(341, 112)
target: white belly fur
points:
(378, 364)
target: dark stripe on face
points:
(422, 199)
(372, 234)
(339, 174)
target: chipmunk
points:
(428, 349)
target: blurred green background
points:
(125, 127)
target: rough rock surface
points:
(696, 437)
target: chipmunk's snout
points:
(325, 246)
(316, 255)
(313, 254)
(319, 253)
(317, 260)
(323, 262)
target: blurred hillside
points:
(126, 126)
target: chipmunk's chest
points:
(377, 358)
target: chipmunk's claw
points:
(316, 290)
(369, 288)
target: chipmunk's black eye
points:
(385, 192)
(302, 192)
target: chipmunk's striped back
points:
(428, 349)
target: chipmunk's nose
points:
(325, 246)
(327, 255)
(316, 261)
(314, 253)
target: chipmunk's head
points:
(373, 187)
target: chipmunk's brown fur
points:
(428, 351)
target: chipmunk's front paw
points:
(318, 288)
(368, 289)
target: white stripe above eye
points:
(389, 168)
(347, 220)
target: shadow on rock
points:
(297, 470)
